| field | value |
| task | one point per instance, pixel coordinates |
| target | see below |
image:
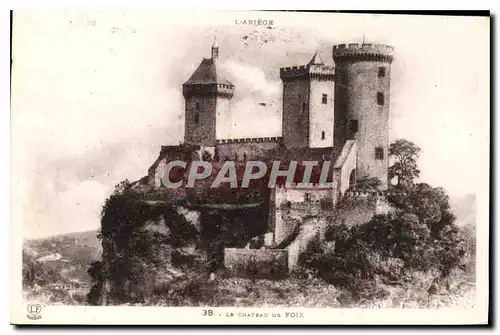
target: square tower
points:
(308, 105)
(207, 97)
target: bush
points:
(385, 247)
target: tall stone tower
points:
(308, 118)
(362, 99)
(207, 97)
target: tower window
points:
(353, 126)
(197, 106)
(235, 157)
(303, 107)
(196, 118)
(379, 153)
(380, 98)
(244, 156)
(324, 99)
(381, 72)
(322, 134)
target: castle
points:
(336, 113)
(339, 113)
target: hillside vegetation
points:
(55, 269)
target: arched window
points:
(379, 153)
(322, 134)
(235, 156)
(245, 156)
(352, 178)
(197, 106)
(196, 118)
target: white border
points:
(190, 4)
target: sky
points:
(96, 93)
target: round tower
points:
(362, 100)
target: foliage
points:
(96, 273)
(419, 235)
(367, 185)
(37, 273)
(121, 187)
(405, 167)
(137, 240)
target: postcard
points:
(175, 167)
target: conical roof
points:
(316, 60)
(207, 73)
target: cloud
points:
(92, 107)
(75, 209)
(250, 80)
(251, 119)
(256, 105)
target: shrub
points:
(385, 247)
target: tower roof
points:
(207, 73)
(316, 60)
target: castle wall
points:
(252, 149)
(293, 204)
(310, 235)
(360, 208)
(344, 166)
(200, 120)
(167, 154)
(321, 116)
(296, 113)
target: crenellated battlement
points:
(363, 52)
(316, 71)
(207, 90)
(300, 186)
(249, 140)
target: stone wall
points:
(345, 165)
(294, 203)
(359, 209)
(246, 149)
(296, 113)
(321, 114)
(311, 233)
(200, 120)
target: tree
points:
(121, 187)
(430, 205)
(405, 167)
